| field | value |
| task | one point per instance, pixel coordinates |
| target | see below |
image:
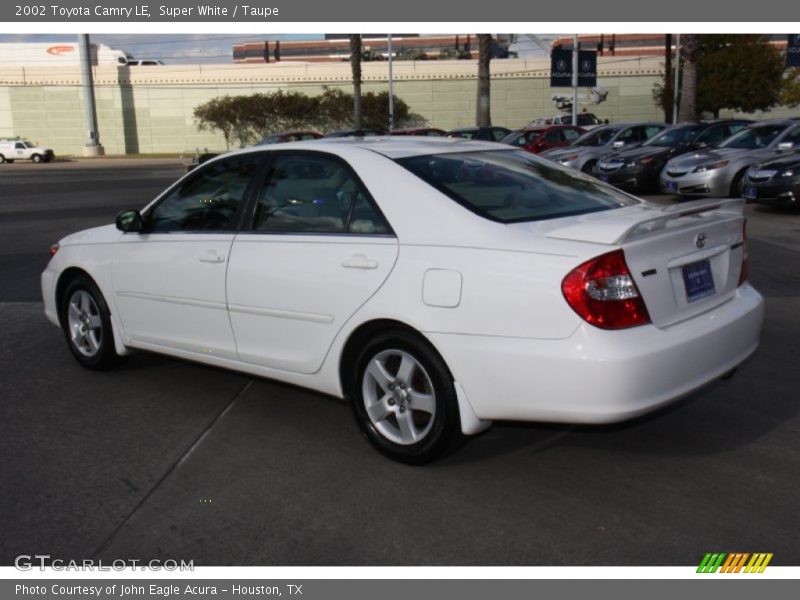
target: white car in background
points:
(437, 284)
(11, 150)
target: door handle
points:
(211, 256)
(360, 261)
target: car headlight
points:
(569, 158)
(710, 166)
(789, 173)
(639, 162)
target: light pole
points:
(391, 86)
(575, 79)
(675, 84)
(92, 147)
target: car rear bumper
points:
(598, 376)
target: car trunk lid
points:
(685, 259)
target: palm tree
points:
(483, 116)
(355, 64)
(687, 110)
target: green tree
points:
(246, 119)
(736, 72)
(483, 113)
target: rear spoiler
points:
(617, 229)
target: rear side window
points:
(510, 186)
(315, 194)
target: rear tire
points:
(2, 159)
(86, 323)
(403, 398)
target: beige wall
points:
(149, 109)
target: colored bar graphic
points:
(734, 562)
(711, 562)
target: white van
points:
(11, 150)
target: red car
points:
(539, 139)
(429, 131)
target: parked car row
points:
(717, 158)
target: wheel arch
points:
(64, 279)
(469, 422)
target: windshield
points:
(676, 136)
(511, 186)
(597, 137)
(754, 137)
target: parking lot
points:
(162, 458)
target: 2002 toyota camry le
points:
(437, 284)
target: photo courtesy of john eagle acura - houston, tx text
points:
(437, 284)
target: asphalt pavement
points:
(163, 458)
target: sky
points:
(205, 48)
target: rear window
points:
(511, 186)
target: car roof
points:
(390, 146)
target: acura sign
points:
(561, 68)
(793, 50)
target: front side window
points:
(510, 186)
(571, 135)
(553, 136)
(206, 201)
(307, 193)
(793, 137)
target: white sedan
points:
(437, 284)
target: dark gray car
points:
(585, 151)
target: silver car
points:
(585, 151)
(719, 171)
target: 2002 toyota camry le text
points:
(437, 284)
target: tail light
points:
(54, 249)
(603, 293)
(745, 255)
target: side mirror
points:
(784, 146)
(618, 144)
(129, 221)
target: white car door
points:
(169, 279)
(318, 249)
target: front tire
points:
(588, 168)
(86, 322)
(403, 398)
(37, 158)
(737, 185)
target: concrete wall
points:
(149, 109)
